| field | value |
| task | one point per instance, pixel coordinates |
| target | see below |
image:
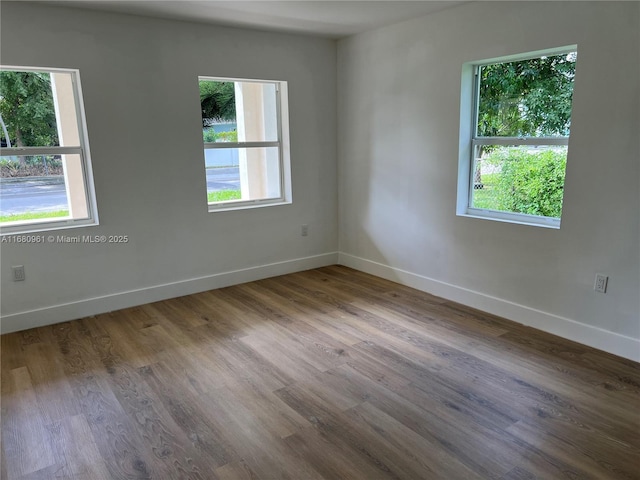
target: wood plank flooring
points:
(324, 374)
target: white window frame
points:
(469, 140)
(82, 150)
(282, 143)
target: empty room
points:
(320, 240)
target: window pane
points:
(243, 174)
(27, 109)
(238, 111)
(35, 188)
(38, 109)
(526, 98)
(519, 179)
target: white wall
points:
(140, 85)
(398, 111)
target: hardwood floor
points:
(325, 374)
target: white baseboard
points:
(601, 339)
(94, 306)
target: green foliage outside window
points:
(527, 98)
(212, 136)
(26, 108)
(529, 182)
(217, 101)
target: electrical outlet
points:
(304, 231)
(601, 283)
(18, 273)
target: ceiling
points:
(329, 18)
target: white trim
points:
(515, 141)
(93, 306)
(285, 141)
(238, 79)
(18, 68)
(33, 151)
(595, 337)
(229, 205)
(624, 346)
(510, 217)
(212, 145)
(25, 227)
(548, 52)
(87, 168)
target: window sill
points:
(236, 205)
(28, 227)
(516, 218)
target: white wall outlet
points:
(304, 231)
(18, 273)
(601, 283)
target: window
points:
(513, 156)
(246, 142)
(46, 180)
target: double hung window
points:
(46, 181)
(246, 142)
(519, 137)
